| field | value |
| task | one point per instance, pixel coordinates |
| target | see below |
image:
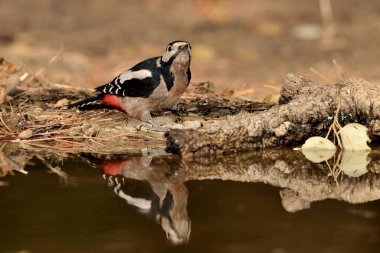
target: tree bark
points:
(306, 108)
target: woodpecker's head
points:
(178, 52)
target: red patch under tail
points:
(112, 100)
(113, 168)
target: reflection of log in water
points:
(155, 184)
(303, 181)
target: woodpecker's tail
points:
(88, 103)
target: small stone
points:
(61, 103)
(307, 31)
(37, 110)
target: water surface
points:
(158, 204)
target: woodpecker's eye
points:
(169, 48)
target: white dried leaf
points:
(354, 137)
(318, 143)
(318, 149)
(354, 163)
(318, 156)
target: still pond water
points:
(139, 205)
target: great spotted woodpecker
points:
(152, 85)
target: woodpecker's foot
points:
(151, 126)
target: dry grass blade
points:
(335, 171)
(339, 70)
(335, 127)
(5, 125)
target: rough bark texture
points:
(306, 108)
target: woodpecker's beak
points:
(185, 48)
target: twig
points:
(56, 138)
(338, 69)
(2, 147)
(56, 132)
(334, 170)
(51, 61)
(328, 22)
(64, 177)
(335, 127)
(10, 105)
(2, 121)
(326, 12)
(313, 70)
(7, 138)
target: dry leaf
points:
(227, 93)
(354, 163)
(318, 143)
(354, 137)
(318, 156)
(318, 149)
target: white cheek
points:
(165, 57)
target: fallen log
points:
(306, 108)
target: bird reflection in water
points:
(143, 183)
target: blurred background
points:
(246, 45)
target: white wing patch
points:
(158, 63)
(143, 204)
(139, 74)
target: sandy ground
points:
(246, 45)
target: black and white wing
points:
(139, 81)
